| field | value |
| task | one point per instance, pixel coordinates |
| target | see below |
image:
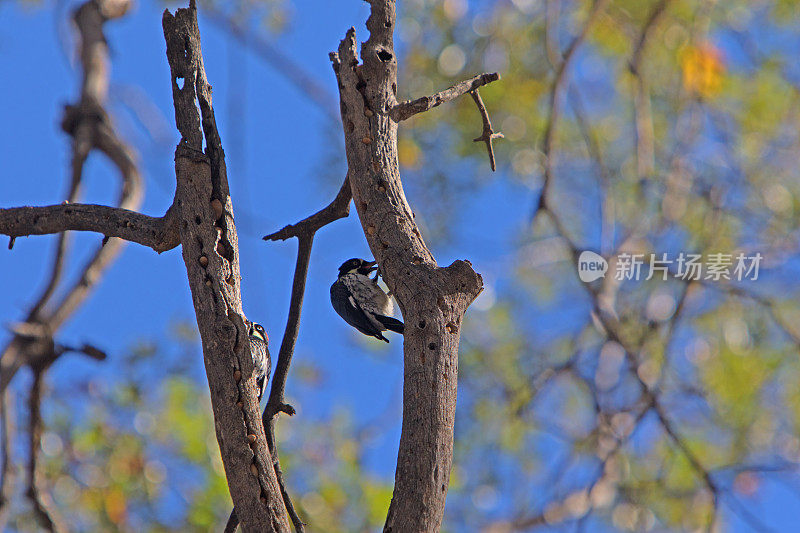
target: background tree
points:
(664, 127)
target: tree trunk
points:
(433, 299)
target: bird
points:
(361, 302)
(259, 349)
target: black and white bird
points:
(259, 350)
(361, 302)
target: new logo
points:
(591, 266)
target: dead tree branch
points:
(305, 230)
(160, 234)
(433, 299)
(210, 251)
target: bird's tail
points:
(392, 324)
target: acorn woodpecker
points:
(361, 302)
(259, 349)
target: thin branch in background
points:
(89, 126)
(43, 507)
(554, 105)
(765, 303)
(551, 15)
(642, 112)
(601, 474)
(608, 209)
(304, 81)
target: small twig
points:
(409, 108)
(93, 352)
(298, 524)
(43, 506)
(488, 134)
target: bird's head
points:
(257, 330)
(361, 266)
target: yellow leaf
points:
(703, 69)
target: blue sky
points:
(284, 162)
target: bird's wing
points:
(370, 296)
(347, 308)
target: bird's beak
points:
(372, 266)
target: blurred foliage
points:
(552, 428)
(138, 452)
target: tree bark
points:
(433, 299)
(210, 252)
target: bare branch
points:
(644, 37)
(304, 231)
(607, 217)
(209, 243)
(643, 119)
(488, 134)
(160, 234)
(409, 108)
